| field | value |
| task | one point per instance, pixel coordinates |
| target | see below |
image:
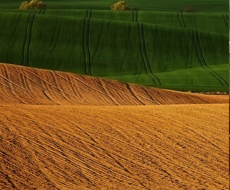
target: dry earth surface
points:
(66, 131)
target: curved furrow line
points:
(141, 47)
(25, 42)
(113, 153)
(59, 155)
(12, 83)
(45, 82)
(26, 45)
(87, 85)
(216, 75)
(46, 91)
(154, 77)
(226, 19)
(134, 95)
(88, 46)
(73, 86)
(60, 87)
(133, 15)
(182, 16)
(136, 16)
(123, 92)
(151, 97)
(180, 20)
(27, 86)
(86, 42)
(159, 157)
(108, 92)
(106, 152)
(29, 39)
(15, 165)
(200, 57)
(87, 166)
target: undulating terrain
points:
(67, 131)
(173, 50)
(94, 99)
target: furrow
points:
(200, 56)
(134, 95)
(182, 17)
(154, 77)
(29, 40)
(226, 19)
(136, 16)
(25, 42)
(108, 92)
(214, 73)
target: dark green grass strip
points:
(183, 21)
(154, 77)
(86, 13)
(26, 46)
(86, 46)
(180, 19)
(136, 16)
(90, 13)
(30, 36)
(202, 59)
(133, 15)
(226, 19)
(144, 54)
(223, 81)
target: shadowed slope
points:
(36, 86)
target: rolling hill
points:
(128, 50)
(66, 131)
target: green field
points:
(126, 46)
(151, 5)
(164, 48)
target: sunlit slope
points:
(209, 22)
(26, 85)
(184, 79)
(129, 147)
(151, 5)
(112, 48)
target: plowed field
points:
(67, 131)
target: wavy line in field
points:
(36, 86)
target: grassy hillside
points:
(153, 5)
(209, 22)
(136, 52)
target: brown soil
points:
(43, 87)
(54, 136)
